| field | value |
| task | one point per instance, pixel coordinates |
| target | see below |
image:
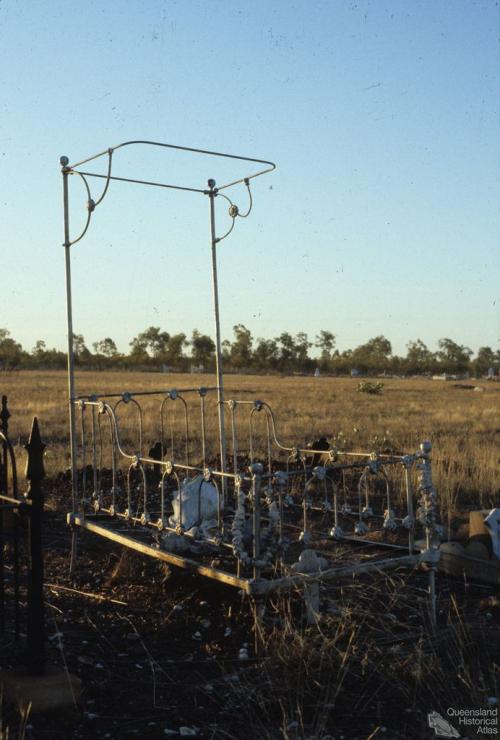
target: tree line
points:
(154, 349)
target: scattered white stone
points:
(138, 665)
(99, 666)
(192, 731)
(492, 701)
(243, 653)
(90, 715)
(205, 623)
(228, 631)
(85, 660)
(178, 608)
(166, 731)
(197, 636)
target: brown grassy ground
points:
(462, 424)
(157, 653)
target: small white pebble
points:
(197, 636)
(228, 631)
(192, 731)
(178, 608)
(205, 623)
(492, 701)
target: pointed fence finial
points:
(4, 416)
(34, 467)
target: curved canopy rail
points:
(212, 191)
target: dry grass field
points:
(463, 424)
(159, 653)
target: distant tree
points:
(226, 352)
(82, 354)
(419, 359)
(302, 346)
(173, 354)
(47, 358)
(342, 362)
(485, 359)
(265, 356)
(286, 346)
(105, 347)
(202, 349)
(453, 357)
(39, 349)
(325, 341)
(11, 352)
(240, 355)
(374, 356)
(152, 341)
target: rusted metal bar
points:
(168, 557)
(262, 586)
(218, 345)
(35, 473)
(130, 394)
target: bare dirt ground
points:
(159, 655)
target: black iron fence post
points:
(35, 473)
(4, 428)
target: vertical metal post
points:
(256, 470)
(409, 507)
(218, 347)
(36, 615)
(71, 359)
(4, 482)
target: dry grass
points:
(462, 424)
(372, 666)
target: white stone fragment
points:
(197, 496)
(309, 562)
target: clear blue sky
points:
(383, 119)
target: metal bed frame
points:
(272, 498)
